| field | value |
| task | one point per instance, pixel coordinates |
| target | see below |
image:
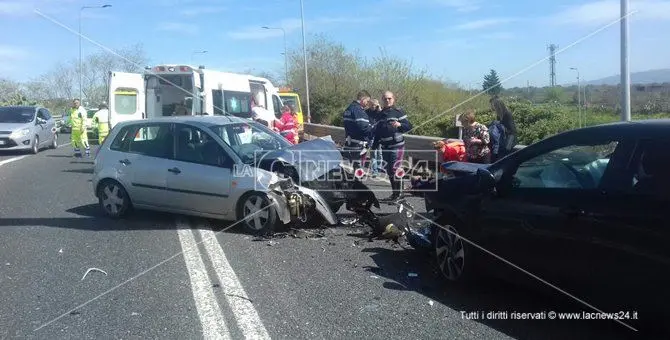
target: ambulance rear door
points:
(127, 97)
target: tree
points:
(492, 84)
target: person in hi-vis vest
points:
(101, 120)
(78, 135)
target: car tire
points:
(54, 142)
(453, 255)
(113, 199)
(264, 222)
(36, 145)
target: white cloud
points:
(289, 26)
(178, 28)
(606, 11)
(12, 53)
(27, 7)
(483, 23)
(499, 36)
(14, 8)
(458, 5)
(195, 11)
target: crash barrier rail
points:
(415, 146)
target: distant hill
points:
(644, 77)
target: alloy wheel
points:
(450, 253)
(255, 216)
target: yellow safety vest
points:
(102, 124)
(76, 119)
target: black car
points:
(585, 210)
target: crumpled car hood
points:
(312, 159)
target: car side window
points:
(154, 140)
(276, 102)
(120, 142)
(44, 114)
(196, 146)
(40, 114)
(569, 167)
(650, 169)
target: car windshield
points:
(250, 140)
(289, 100)
(17, 115)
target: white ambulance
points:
(168, 90)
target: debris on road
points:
(61, 250)
(92, 269)
(430, 302)
(412, 274)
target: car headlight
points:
(19, 133)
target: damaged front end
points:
(295, 203)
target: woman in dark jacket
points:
(504, 116)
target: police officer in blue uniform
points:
(357, 128)
(388, 132)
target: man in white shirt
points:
(101, 119)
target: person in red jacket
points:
(451, 150)
(287, 125)
(448, 150)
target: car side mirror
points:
(40, 121)
(485, 180)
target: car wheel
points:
(36, 145)
(54, 142)
(113, 199)
(257, 213)
(451, 254)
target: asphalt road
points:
(170, 276)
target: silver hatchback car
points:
(27, 128)
(207, 166)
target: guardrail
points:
(415, 146)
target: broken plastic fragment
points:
(92, 269)
(430, 302)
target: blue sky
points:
(456, 40)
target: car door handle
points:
(572, 211)
(124, 162)
(175, 171)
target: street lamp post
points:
(625, 74)
(81, 71)
(304, 55)
(196, 52)
(285, 52)
(579, 96)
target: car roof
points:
(34, 107)
(626, 129)
(194, 120)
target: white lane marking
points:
(245, 313)
(211, 319)
(6, 161)
(12, 160)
